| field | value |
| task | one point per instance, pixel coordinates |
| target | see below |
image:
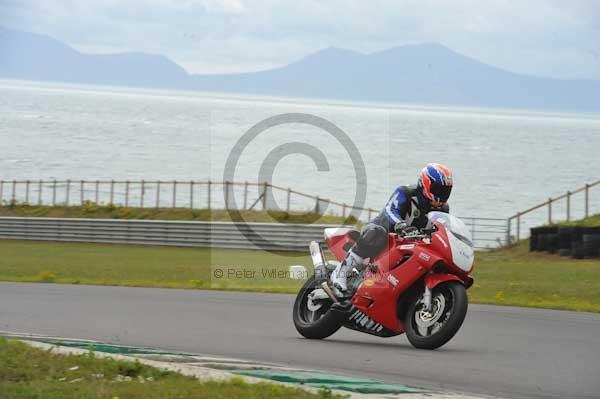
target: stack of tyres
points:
(552, 241)
(546, 236)
(564, 240)
(591, 242)
(578, 242)
(533, 240)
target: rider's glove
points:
(402, 228)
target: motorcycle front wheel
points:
(432, 329)
(314, 324)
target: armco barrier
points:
(275, 236)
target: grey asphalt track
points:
(500, 351)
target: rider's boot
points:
(339, 277)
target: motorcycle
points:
(417, 285)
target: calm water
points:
(503, 161)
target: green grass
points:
(592, 221)
(92, 210)
(141, 266)
(515, 276)
(31, 373)
(512, 276)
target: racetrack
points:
(500, 351)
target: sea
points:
(503, 160)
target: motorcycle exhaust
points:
(329, 292)
(319, 263)
(316, 253)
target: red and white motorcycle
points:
(416, 285)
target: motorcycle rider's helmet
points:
(435, 184)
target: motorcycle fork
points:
(427, 299)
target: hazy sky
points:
(559, 38)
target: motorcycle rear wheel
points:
(430, 330)
(314, 325)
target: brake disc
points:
(425, 319)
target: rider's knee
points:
(373, 240)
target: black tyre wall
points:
(578, 242)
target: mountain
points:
(38, 57)
(420, 74)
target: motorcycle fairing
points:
(374, 296)
(359, 321)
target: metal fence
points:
(487, 232)
(174, 194)
(572, 205)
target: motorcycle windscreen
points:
(461, 246)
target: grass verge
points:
(95, 211)
(512, 276)
(515, 276)
(28, 373)
(592, 221)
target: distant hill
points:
(421, 74)
(38, 57)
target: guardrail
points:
(272, 236)
(569, 210)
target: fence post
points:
(587, 200)
(568, 206)
(68, 191)
(289, 195)
(127, 194)
(473, 230)
(40, 192)
(549, 210)
(112, 192)
(370, 211)
(54, 192)
(508, 225)
(208, 195)
(518, 226)
(97, 190)
(317, 205)
(344, 210)
(27, 192)
(264, 198)
(142, 192)
(245, 195)
(191, 194)
(81, 192)
(14, 189)
(174, 193)
(226, 195)
(1, 190)
(157, 194)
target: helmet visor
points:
(441, 192)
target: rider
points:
(406, 209)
